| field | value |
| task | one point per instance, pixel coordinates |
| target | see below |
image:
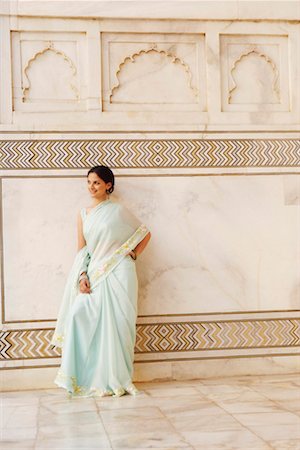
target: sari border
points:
(118, 255)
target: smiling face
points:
(97, 187)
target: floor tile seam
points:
(128, 407)
(225, 413)
(147, 390)
(142, 407)
(46, 407)
(138, 418)
(271, 446)
(37, 423)
(106, 432)
(278, 406)
(266, 412)
(66, 413)
(169, 396)
(177, 431)
(229, 402)
(118, 409)
(189, 382)
(260, 388)
(276, 403)
(245, 426)
(206, 397)
(285, 448)
(233, 392)
(288, 440)
(285, 408)
(261, 393)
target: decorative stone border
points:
(170, 336)
(149, 153)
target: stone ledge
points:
(151, 9)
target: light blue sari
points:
(97, 331)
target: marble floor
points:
(249, 412)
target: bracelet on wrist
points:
(134, 255)
(83, 277)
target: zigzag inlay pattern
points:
(187, 336)
(170, 337)
(168, 153)
(25, 344)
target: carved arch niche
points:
(254, 77)
(254, 73)
(153, 72)
(50, 75)
(48, 71)
(144, 77)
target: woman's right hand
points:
(84, 286)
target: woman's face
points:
(96, 186)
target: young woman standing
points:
(96, 326)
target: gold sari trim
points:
(77, 390)
(137, 236)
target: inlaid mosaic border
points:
(149, 153)
(169, 336)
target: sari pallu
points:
(97, 331)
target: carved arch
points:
(49, 47)
(267, 59)
(174, 59)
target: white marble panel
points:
(39, 218)
(291, 190)
(218, 243)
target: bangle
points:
(82, 277)
(134, 255)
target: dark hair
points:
(105, 174)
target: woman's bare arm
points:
(141, 245)
(80, 237)
(84, 284)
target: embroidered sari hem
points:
(74, 390)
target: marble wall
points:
(197, 111)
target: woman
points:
(96, 326)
